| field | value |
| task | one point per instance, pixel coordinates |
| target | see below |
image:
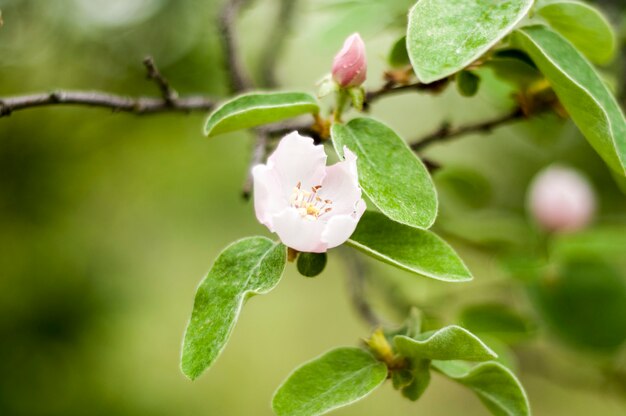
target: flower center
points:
(308, 203)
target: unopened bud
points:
(561, 199)
(350, 64)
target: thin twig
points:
(446, 132)
(168, 93)
(239, 78)
(276, 42)
(357, 275)
(116, 103)
(258, 156)
(390, 88)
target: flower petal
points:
(341, 185)
(299, 233)
(340, 227)
(269, 198)
(297, 159)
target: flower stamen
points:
(308, 203)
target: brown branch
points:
(446, 132)
(168, 93)
(239, 79)
(116, 103)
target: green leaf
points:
(334, 379)
(515, 67)
(389, 172)
(444, 37)
(398, 56)
(498, 320)
(420, 373)
(584, 26)
(255, 109)
(464, 185)
(251, 266)
(449, 343)
(581, 91)
(311, 264)
(417, 251)
(467, 83)
(584, 303)
(496, 387)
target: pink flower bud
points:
(561, 199)
(350, 65)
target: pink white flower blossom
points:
(350, 64)
(312, 207)
(561, 199)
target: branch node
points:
(56, 96)
(168, 93)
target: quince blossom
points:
(312, 207)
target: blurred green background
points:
(109, 221)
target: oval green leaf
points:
(444, 37)
(311, 264)
(467, 83)
(496, 387)
(251, 266)
(584, 26)
(398, 56)
(449, 343)
(255, 109)
(418, 251)
(334, 379)
(581, 91)
(389, 172)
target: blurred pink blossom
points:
(312, 207)
(561, 199)
(350, 64)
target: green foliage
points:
(417, 251)
(255, 109)
(467, 83)
(335, 379)
(584, 303)
(607, 241)
(444, 37)
(389, 172)
(311, 264)
(464, 185)
(251, 266)
(497, 320)
(584, 26)
(419, 379)
(398, 55)
(449, 343)
(515, 67)
(496, 387)
(581, 91)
